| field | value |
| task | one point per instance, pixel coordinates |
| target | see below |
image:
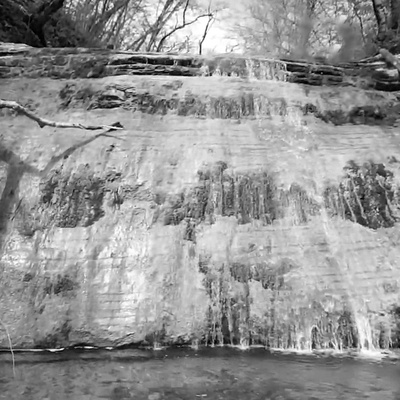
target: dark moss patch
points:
(304, 206)
(229, 317)
(223, 326)
(26, 220)
(395, 332)
(72, 200)
(366, 195)
(9, 197)
(27, 277)
(151, 104)
(48, 286)
(256, 198)
(176, 211)
(241, 272)
(203, 264)
(347, 330)
(246, 197)
(72, 96)
(69, 200)
(192, 208)
(366, 115)
(271, 276)
(156, 338)
(333, 330)
(59, 338)
(62, 285)
(221, 107)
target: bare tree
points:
(340, 30)
(280, 27)
(178, 26)
(151, 28)
(139, 25)
(101, 21)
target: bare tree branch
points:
(356, 11)
(154, 29)
(13, 105)
(106, 15)
(181, 26)
(210, 21)
(162, 19)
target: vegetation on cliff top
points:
(343, 30)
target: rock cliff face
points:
(242, 209)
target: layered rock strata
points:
(234, 207)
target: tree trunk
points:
(381, 19)
(394, 14)
(38, 19)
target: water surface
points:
(208, 374)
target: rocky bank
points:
(245, 201)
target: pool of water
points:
(206, 374)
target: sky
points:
(221, 36)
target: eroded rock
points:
(226, 211)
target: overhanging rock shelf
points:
(23, 60)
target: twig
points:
(43, 122)
(10, 345)
(16, 209)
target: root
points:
(10, 345)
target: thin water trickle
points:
(366, 342)
(195, 344)
(334, 244)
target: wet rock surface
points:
(66, 63)
(239, 209)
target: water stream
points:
(218, 373)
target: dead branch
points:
(13, 105)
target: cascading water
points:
(300, 142)
(364, 331)
(237, 245)
(365, 335)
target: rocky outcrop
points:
(234, 207)
(371, 73)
